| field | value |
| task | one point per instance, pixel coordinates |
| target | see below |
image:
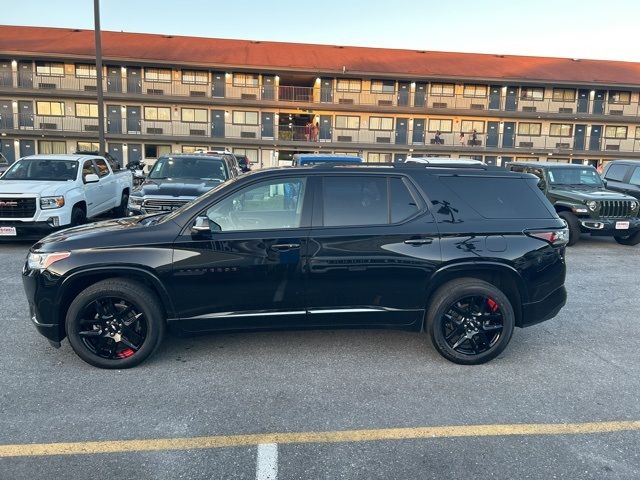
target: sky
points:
(559, 28)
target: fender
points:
(125, 271)
(567, 204)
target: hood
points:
(586, 193)
(176, 187)
(35, 187)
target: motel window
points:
(87, 110)
(560, 130)
(195, 77)
(157, 74)
(50, 146)
(194, 115)
(620, 98)
(383, 86)
(347, 122)
(615, 131)
(564, 95)
(194, 148)
(348, 85)
(638, 133)
(530, 129)
(245, 80)
(155, 151)
(376, 157)
(468, 126)
(87, 146)
(245, 118)
(85, 71)
(159, 114)
(532, 93)
(444, 126)
(380, 123)
(250, 153)
(475, 91)
(50, 69)
(50, 109)
(442, 89)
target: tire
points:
(574, 227)
(78, 216)
(441, 324)
(121, 210)
(631, 239)
(80, 321)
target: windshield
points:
(42, 169)
(575, 176)
(203, 168)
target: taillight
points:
(558, 236)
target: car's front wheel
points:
(470, 321)
(630, 239)
(574, 227)
(115, 323)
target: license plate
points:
(622, 225)
(8, 231)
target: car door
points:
(246, 269)
(107, 195)
(372, 248)
(91, 190)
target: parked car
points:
(465, 254)
(41, 193)
(4, 164)
(623, 176)
(581, 199)
(301, 159)
(179, 178)
(230, 156)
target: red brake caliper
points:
(126, 353)
(493, 306)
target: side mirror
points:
(91, 178)
(200, 226)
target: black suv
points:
(465, 254)
(623, 176)
(581, 199)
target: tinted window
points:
(271, 205)
(635, 178)
(355, 200)
(575, 176)
(499, 197)
(88, 168)
(37, 169)
(103, 170)
(204, 168)
(616, 173)
(403, 205)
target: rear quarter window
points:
(616, 172)
(500, 197)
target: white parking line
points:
(267, 462)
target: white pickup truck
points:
(41, 193)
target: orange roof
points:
(277, 56)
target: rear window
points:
(494, 197)
(616, 173)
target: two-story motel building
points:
(167, 93)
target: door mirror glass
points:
(91, 178)
(203, 225)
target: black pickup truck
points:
(581, 199)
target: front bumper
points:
(607, 226)
(545, 309)
(28, 230)
(40, 288)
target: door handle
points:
(282, 247)
(419, 241)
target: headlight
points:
(592, 205)
(135, 201)
(47, 203)
(633, 205)
(42, 261)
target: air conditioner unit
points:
(477, 106)
(563, 145)
(47, 86)
(529, 109)
(385, 103)
(616, 112)
(247, 134)
(346, 101)
(612, 147)
(91, 128)
(439, 105)
(90, 88)
(248, 96)
(197, 132)
(155, 131)
(383, 140)
(525, 144)
(48, 126)
(197, 93)
(345, 138)
(155, 91)
(565, 110)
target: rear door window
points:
(616, 173)
(496, 197)
(103, 169)
(355, 201)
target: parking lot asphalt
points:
(582, 366)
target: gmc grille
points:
(162, 205)
(17, 207)
(615, 208)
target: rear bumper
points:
(545, 309)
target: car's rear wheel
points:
(115, 323)
(631, 239)
(470, 321)
(574, 227)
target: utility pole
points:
(96, 15)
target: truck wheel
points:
(470, 321)
(115, 323)
(631, 239)
(574, 227)
(78, 216)
(121, 210)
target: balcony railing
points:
(319, 95)
(20, 124)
